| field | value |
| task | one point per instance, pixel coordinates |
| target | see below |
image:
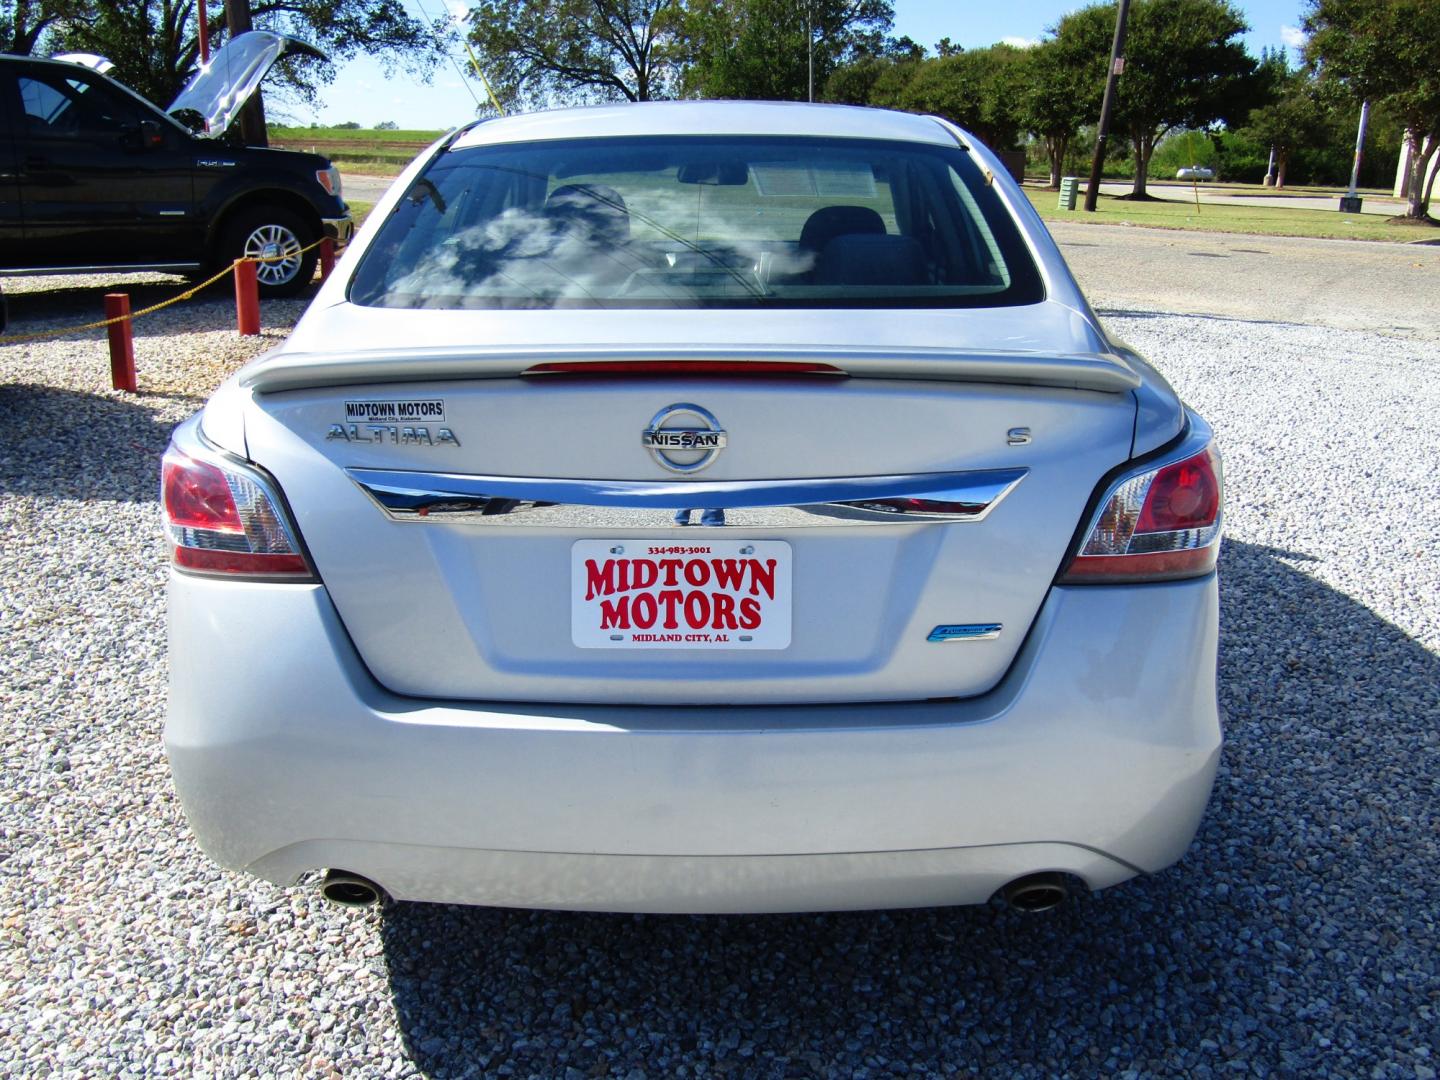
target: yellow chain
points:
(41, 335)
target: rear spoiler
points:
(281, 371)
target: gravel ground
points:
(1297, 938)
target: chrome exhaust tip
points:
(1036, 892)
(350, 890)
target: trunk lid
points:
(221, 88)
(902, 532)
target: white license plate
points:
(715, 594)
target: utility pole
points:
(252, 117)
(809, 53)
(1102, 133)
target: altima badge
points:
(694, 447)
(394, 434)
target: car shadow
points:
(1259, 947)
(39, 421)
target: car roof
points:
(710, 118)
(48, 61)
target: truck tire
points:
(267, 232)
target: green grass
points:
(1214, 217)
(371, 163)
(360, 211)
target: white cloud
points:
(1293, 36)
(1020, 42)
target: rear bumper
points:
(1094, 756)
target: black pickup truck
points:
(95, 179)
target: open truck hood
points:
(221, 88)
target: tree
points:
(540, 51)
(24, 23)
(1058, 99)
(1293, 120)
(387, 125)
(154, 43)
(1385, 51)
(876, 80)
(981, 90)
(757, 49)
(1184, 67)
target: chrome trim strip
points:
(966, 632)
(631, 504)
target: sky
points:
(362, 92)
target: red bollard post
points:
(327, 257)
(122, 343)
(247, 299)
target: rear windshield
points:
(697, 221)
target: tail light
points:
(224, 519)
(1158, 524)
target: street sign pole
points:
(1350, 202)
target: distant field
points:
(353, 135)
(374, 151)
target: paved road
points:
(359, 187)
(1347, 284)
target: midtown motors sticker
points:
(634, 594)
(393, 411)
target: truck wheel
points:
(278, 236)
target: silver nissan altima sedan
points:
(696, 507)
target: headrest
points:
(871, 260)
(831, 221)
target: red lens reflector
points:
(1185, 495)
(241, 562)
(197, 496)
(1153, 566)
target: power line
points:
(464, 80)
